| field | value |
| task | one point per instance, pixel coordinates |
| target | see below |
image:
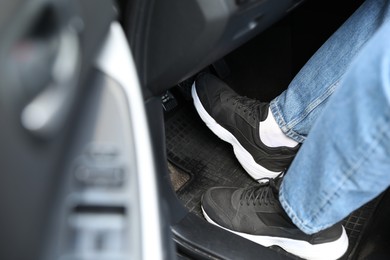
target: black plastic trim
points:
(201, 240)
(174, 39)
(172, 205)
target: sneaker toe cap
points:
(209, 88)
(216, 203)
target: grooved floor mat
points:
(193, 148)
(356, 224)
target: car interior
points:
(103, 155)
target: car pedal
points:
(221, 68)
(185, 86)
(169, 102)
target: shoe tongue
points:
(263, 111)
(278, 182)
(256, 106)
(275, 185)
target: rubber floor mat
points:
(193, 148)
(356, 224)
(210, 161)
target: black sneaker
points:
(256, 214)
(236, 120)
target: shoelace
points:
(263, 193)
(248, 105)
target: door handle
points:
(47, 112)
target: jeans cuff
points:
(292, 214)
(278, 115)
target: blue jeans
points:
(339, 105)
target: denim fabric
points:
(297, 108)
(345, 160)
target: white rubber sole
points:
(254, 169)
(303, 249)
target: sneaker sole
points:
(303, 249)
(254, 169)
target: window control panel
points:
(100, 166)
(100, 176)
(100, 202)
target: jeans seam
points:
(287, 128)
(354, 166)
(276, 112)
(291, 213)
(314, 104)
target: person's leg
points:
(345, 160)
(265, 143)
(343, 164)
(298, 107)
